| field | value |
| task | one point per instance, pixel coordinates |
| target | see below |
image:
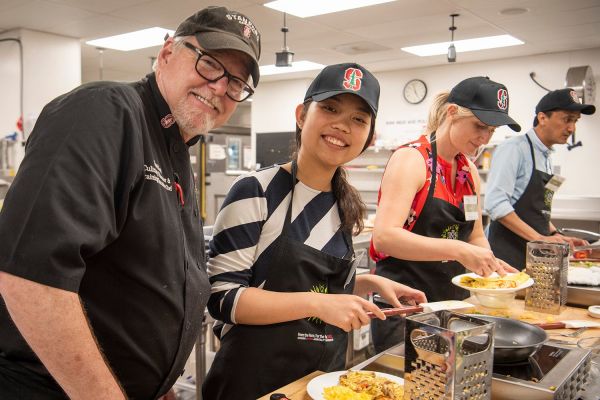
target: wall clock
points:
(415, 91)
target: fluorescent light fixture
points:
(297, 66)
(133, 40)
(462, 46)
(310, 8)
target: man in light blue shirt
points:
(521, 184)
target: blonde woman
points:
(428, 226)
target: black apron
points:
(17, 382)
(438, 219)
(256, 359)
(533, 207)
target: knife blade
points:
(388, 312)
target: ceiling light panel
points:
(310, 8)
(133, 40)
(463, 46)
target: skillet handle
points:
(552, 325)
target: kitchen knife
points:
(574, 323)
(580, 233)
(397, 311)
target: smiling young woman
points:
(281, 263)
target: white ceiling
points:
(548, 26)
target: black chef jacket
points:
(94, 210)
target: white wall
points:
(273, 104)
(51, 66)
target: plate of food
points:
(494, 283)
(355, 385)
(494, 291)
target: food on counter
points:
(503, 314)
(364, 385)
(583, 264)
(504, 282)
(526, 316)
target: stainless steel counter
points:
(580, 295)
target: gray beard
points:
(185, 122)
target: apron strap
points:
(471, 184)
(288, 216)
(348, 240)
(531, 150)
(433, 166)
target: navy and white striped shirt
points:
(249, 222)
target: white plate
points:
(456, 281)
(594, 311)
(317, 384)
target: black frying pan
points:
(514, 340)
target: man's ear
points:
(166, 51)
(542, 117)
(300, 115)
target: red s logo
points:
(502, 99)
(352, 79)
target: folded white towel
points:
(584, 276)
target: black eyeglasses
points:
(212, 70)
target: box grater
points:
(448, 356)
(548, 265)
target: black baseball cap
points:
(345, 78)
(217, 28)
(562, 99)
(487, 100)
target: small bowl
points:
(492, 298)
(495, 300)
(594, 311)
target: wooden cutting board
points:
(295, 390)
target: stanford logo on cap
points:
(246, 31)
(502, 99)
(352, 79)
(574, 96)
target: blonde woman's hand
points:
(481, 260)
(507, 267)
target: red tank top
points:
(463, 186)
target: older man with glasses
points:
(102, 268)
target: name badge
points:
(555, 182)
(470, 205)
